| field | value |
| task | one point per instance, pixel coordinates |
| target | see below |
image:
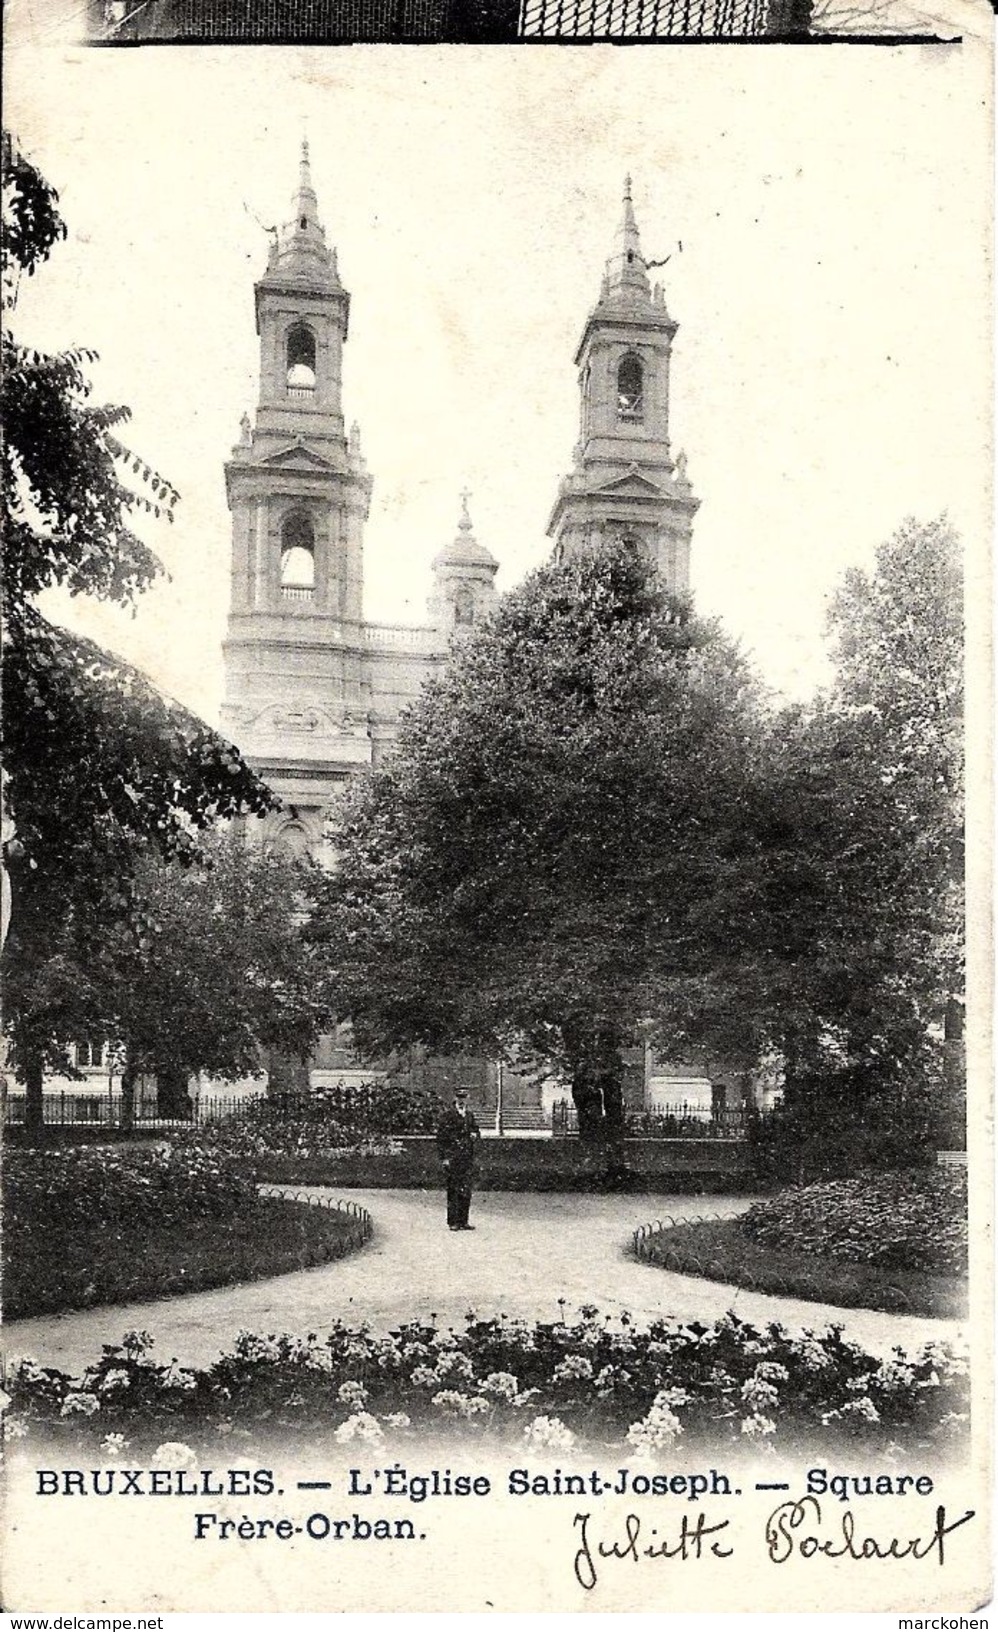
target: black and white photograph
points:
(496, 782)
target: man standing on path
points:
(456, 1136)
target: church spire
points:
(306, 203)
(301, 248)
(626, 272)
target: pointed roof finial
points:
(626, 269)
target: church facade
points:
(313, 691)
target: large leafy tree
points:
(100, 767)
(870, 780)
(210, 971)
(553, 856)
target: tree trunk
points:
(598, 1092)
(34, 1104)
(128, 1076)
(612, 1078)
(172, 1098)
(588, 1105)
(287, 1076)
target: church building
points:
(313, 691)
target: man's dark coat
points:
(457, 1135)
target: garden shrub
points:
(832, 1128)
(916, 1219)
(327, 1122)
(552, 1385)
(115, 1187)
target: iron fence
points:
(366, 1109)
(650, 1245)
(664, 1121)
(361, 1225)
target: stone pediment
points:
(297, 456)
(632, 485)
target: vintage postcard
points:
(513, 1131)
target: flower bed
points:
(593, 1381)
(719, 1250)
(119, 1187)
(915, 1219)
(95, 1225)
(85, 1267)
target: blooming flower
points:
(549, 1433)
(28, 1370)
(14, 1428)
(455, 1366)
(502, 1384)
(459, 1405)
(81, 1405)
(862, 1410)
(893, 1377)
(361, 1425)
(424, 1377)
(660, 1426)
(574, 1368)
(114, 1444)
(174, 1454)
(115, 1380)
(352, 1393)
(397, 1419)
(770, 1371)
(758, 1426)
(810, 1351)
(759, 1395)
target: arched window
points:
(464, 605)
(301, 361)
(630, 388)
(292, 842)
(297, 557)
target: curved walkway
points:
(527, 1252)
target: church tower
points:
(296, 688)
(625, 482)
(464, 573)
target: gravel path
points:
(527, 1252)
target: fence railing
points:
(367, 1109)
(663, 1121)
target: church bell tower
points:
(625, 483)
(295, 694)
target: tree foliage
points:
(210, 969)
(552, 851)
(594, 826)
(100, 768)
(880, 758)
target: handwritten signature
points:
(688, 1543)
(790, 1517)
(790, 1530)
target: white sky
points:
(831, 371)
